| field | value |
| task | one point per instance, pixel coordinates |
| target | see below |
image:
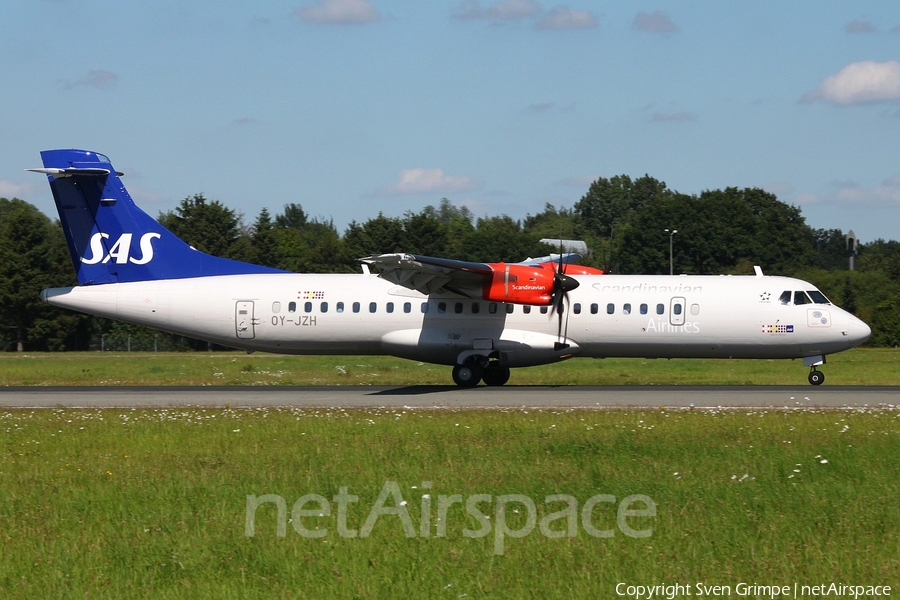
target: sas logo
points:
(121, 249)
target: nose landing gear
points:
(816, 377)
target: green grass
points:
(872, 366)
(152, 503)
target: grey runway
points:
(439, 396)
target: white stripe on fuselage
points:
(721, 316)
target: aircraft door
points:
(244, 323)
(676, 311)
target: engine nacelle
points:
(520, 284)
(580, 270)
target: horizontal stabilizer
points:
(74, 172)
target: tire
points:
(494, 375)
(816, 377)
(467, 375)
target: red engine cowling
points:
(520, 284)
(580, 270)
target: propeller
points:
(562, 285)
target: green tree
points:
(207, 226)
(613, 202)
(265, 241)
(33, 256)
(719, 231)
(831, 249)
(501, 239)
(293, 217)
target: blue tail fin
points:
(110, 239)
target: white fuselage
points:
(607, 315)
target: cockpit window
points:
(785, 297)
(818, 297)
(801, 298)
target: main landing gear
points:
(478, 368)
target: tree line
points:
(623, 220)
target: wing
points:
(430, 275)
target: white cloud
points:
(421, 181)
(853, 194)
(674, 117)
(860, 83)
(655, 22)
(99, 79)
(11, 189)
(549, 107)
(860, 27)
(508, 10)
(563, 17)
(341, 12)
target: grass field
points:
(141, 503)
(153, 503)
(860, 366)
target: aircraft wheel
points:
(467, 375)
(494, 375)
(816, 377)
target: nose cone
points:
(857, 331)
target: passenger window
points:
(407, 307)
(276, 307)
(801, 298)
(476, 308)
(544, 310)
(677, 308)
(492, 308)
(424, 308)
(610, 308)
(323, 307)
(510, 308)
(442, 307)
(356, 307)
(458, 308)
(339, 307)
(389, 307)
(576, 308)
(643, 309)
(307, 307)
(626, 309)
(785, 297)
(695, 309)
(373, 306)
(595, 308)
(660, 309)
(526, 309)
(292, 307)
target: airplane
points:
(483, 319)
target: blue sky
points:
(355, 107)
